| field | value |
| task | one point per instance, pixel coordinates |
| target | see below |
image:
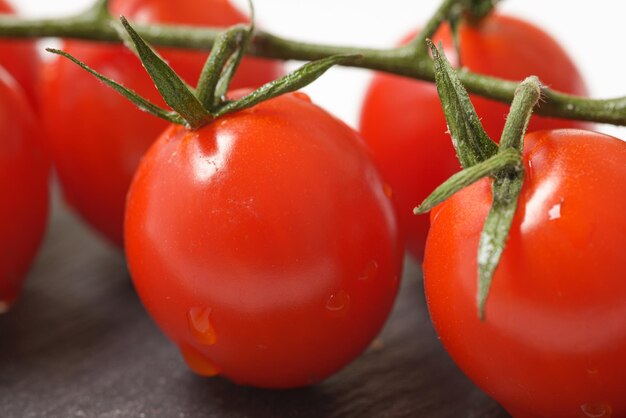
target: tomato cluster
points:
(268, 243)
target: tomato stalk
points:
(195, 108)
(481, 157)
(227, 50)
(447, 9)
(452, 11)
(99, 26)
(506, 189)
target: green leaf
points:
(506, 191)
(291, 82)
(174, 90)
(462, 179)
(471, 142)
(227, 44)
(128, 42)
(139, 101)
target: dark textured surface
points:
(79, 344)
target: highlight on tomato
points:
(24, 189)
(96, 137)
(404, 126)
(258, 232)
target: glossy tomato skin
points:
(21, 60)
(403, 123)
(554, 337)
(96, 136)
(23, 187)
(263, 244)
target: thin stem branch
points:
(526, 97)
(401, 61)
(443, 12)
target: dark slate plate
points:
(79, 344)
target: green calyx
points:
(171, 87)
(471, 142)
(197, 107)
(481, 157)
(505, 189)
(492, 166)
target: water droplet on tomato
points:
(198, 362)
(4, 306)
(370, 271)
(338, 302)
(200, 325)
(302, 96)
(596, 410)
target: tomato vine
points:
(96, 24)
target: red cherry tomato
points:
(554, 337)
(23, 186)
(263, 244)
(97, 137)
(21, 60)
(404, 126)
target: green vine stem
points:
(406, 61)
(195, 108)
(444, 11)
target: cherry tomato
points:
(263, 244)
(554, 337)
(23, 186)
(97, 137)
(403, 123)
(21, 60)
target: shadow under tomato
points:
(79, 343)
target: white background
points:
(593, 32)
